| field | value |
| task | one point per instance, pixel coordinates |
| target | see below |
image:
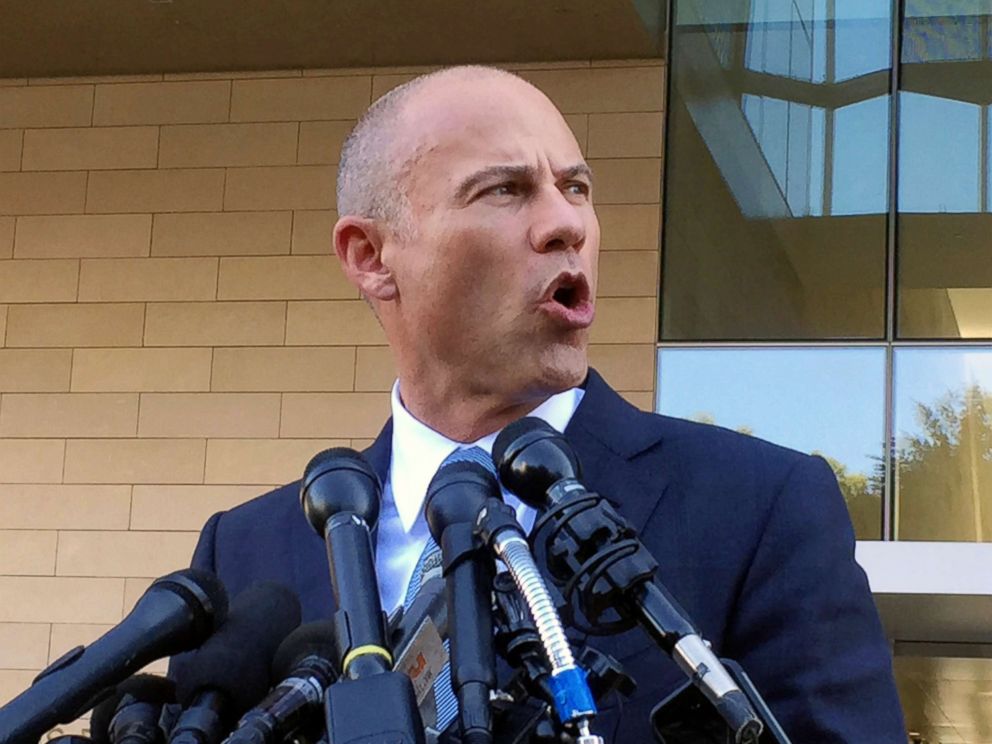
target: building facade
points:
(797, 243)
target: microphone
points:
(496, 524)
(597, 554)
(132, 713)
(304, 672)
(177, 613)
(340, 498)
(226, 675)
(455, 497)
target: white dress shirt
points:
(417, 453)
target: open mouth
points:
(570, 290)
(566, 296)
(568, 300)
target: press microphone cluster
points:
(251, 674)
(594, 553)
(222, 667)
(230, 672)
(178, 612)
(472, 526)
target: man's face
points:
(496, 281)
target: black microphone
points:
(177, 612)
(455, 497)
(340, 497)
(230, 672)
(131, 714)
(303, 672)
(592, 550)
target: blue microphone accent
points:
(573, 698)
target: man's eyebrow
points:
(516, 172)
(580, 169)
(493, 172)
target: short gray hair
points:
(370, 182)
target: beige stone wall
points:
(176, 336)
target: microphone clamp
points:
(573, 701)
(595, 556)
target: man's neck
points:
(461, 416)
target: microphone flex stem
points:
(573, 699)
(515, 553)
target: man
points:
(467, 223)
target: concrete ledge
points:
(931, 592)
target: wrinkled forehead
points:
(456, 127)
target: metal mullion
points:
(985, 157)
(769, 344)
(889, 506)
(663, 206)
(830, 61)
(938, 342)
(985, 200)
(982, 343)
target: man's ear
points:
(358, 243)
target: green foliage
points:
(944, 474)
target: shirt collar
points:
(418, 450)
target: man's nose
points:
(557, 224)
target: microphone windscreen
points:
(203, 592)
(235, 660)
(515, 435)
(313, 639)
(339, 480)
(148, 688)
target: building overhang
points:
(109, 37)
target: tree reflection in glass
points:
(824, 401)
(944, 445)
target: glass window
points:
(863, 34)
(945, 171)
(777, 171)
(828, 401)
(943, 427)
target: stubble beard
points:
(562, 363)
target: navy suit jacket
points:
(753, 539)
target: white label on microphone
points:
(423, 659)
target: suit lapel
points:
(608, 435)
(623, 456)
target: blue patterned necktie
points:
(444, 697)
(430, 559)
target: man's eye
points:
(503, 189)
(578, 187)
